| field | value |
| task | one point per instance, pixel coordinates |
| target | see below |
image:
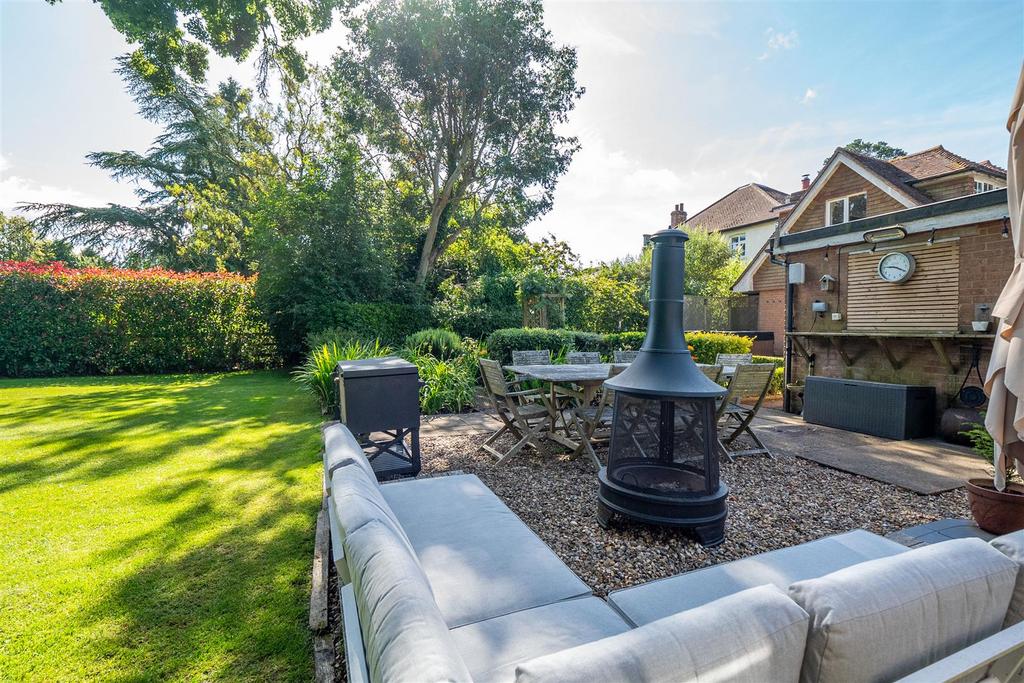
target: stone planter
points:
(997, 512)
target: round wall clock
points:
(896, 266)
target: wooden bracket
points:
(838, 346)
(951, 365)
(800, 347)
(884, 346)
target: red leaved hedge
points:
(56, 320)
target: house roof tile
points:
(751, 203)
(939, 161)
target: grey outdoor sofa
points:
(442, 582)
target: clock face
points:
(896, 266)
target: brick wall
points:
(949, 188)
(771, 317)
(986, 259)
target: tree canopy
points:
(457, 102)
(173, 37)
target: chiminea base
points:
(704, 514)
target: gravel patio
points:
(772, 504)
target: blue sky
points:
(684, 102)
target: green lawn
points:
(156, 527)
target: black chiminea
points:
(663, 456)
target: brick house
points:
(892, 262)
(746, 217)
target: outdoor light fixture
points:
(826, 253)
(896, 232)
(931, 237)
(1006, 226)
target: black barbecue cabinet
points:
(378, 400)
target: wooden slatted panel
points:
(929, 300)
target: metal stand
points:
(392, 456)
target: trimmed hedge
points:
(64, 321)
(389, 322)
(706, 345)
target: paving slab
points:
(925, 466)
(458, 423)
(939, 531)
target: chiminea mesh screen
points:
(663, 446)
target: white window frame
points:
(846, 207)
(983, 186)
(739, 241)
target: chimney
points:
(678, 216)
(805, 181)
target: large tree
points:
(458, 102)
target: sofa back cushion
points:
(357, 501)
(883, 619)
(342, 450)
(1012, 545)
(405, 638)
(755, 635)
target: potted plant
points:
(997, 512)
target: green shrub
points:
(316, 373)
(501, 343)
(623, 341)
(707, 345)
(64, 321)
(389, 322)
(777, 361)
(336, 335)
(449, 385)
(443, 344)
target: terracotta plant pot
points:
(997, 512)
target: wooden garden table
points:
(588, 376)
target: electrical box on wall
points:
(797, 273)
(837, 316)
(819, 307)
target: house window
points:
(846, 209)
(739, 244)
(983, 187)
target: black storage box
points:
(894, 411)
(380, 396)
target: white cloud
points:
(15, 190)
(779, 41)
(809, 95)
(607, 201)
(588, 35)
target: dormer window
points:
(846, 209)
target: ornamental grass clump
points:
(316, 374)
(448, 384)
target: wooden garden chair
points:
(734, 418)
(731, 361)
(621, 356)
(712, 372)
(595, 422)
(582, 358)
(523, 419)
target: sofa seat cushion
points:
(404, 635)
(883, 619)
(481, 560)
(755, 635)
(647, 602)
(491, 649)
(1012, 545)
